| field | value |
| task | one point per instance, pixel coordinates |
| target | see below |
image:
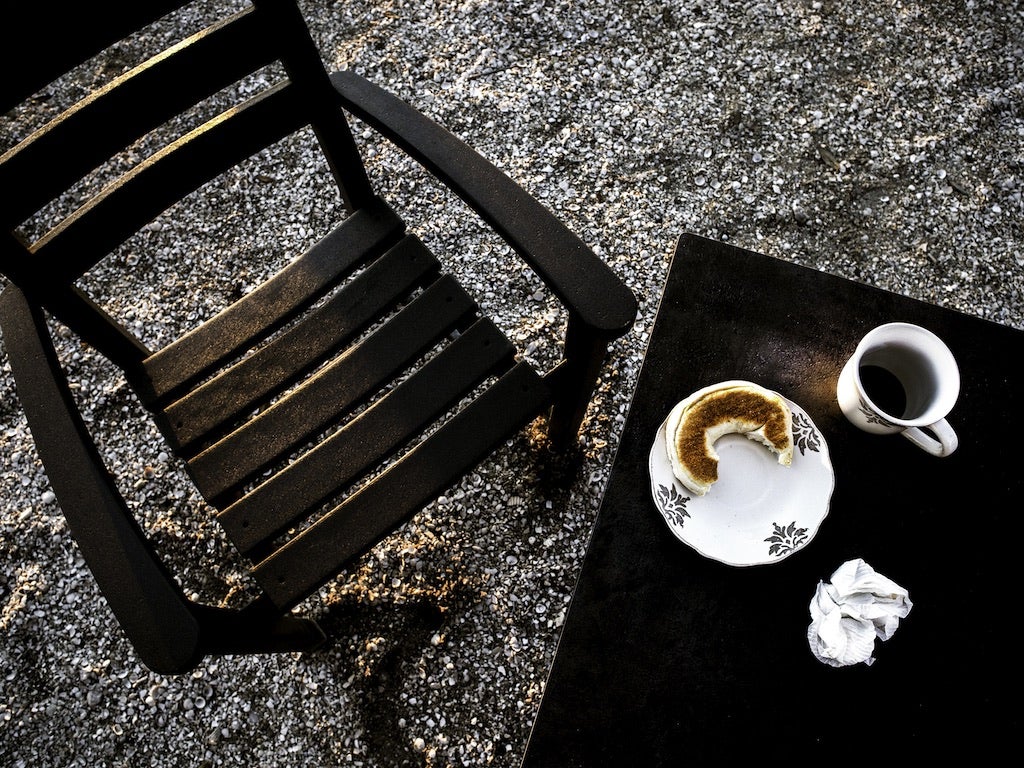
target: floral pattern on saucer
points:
(758, 512)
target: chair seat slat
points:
(239, 389)
(342, 385)
(256, 315)
(367, 440)
(318, 553)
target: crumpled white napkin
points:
(850, 612)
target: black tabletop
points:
(670, 658)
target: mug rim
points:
(936, 411)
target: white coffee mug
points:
(902, 378)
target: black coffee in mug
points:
(885, 389)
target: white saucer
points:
(758, 512)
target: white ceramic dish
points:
(758, 512)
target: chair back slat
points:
(110, 218)
(56, 40)
(61, 153)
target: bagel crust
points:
(696, 423)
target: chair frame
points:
(170, 632)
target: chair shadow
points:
(378, 638)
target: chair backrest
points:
(268, 40)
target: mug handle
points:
(945, 443)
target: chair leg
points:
(257, 628)
(577, 375)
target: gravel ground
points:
(880, 140)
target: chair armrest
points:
(588, 288)
(147, 602)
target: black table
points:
(670, 658)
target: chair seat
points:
(291, 396)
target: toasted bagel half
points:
(696, 423)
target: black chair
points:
(280, 402)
